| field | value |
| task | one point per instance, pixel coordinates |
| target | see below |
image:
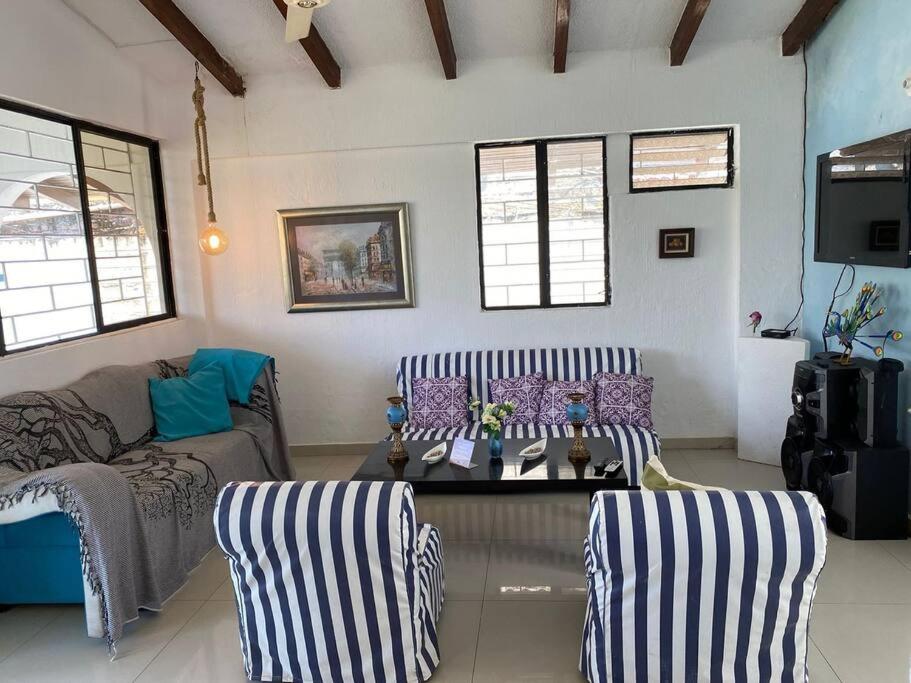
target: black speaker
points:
(823, 396)
(876, 389)
(841, 444)
(796, 450)
(863, 490)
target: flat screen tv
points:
(863, 203)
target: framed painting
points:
(346, 258)
(676, 243)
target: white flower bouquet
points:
(493, 415)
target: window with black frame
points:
(542, 223)
(83, 238)
(681, 159)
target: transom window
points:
(681, 160)
(83, 242)
(542, 223)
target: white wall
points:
(403, 133)
(55, 60)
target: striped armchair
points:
(334, 581)
(634, 444)
(700, 585)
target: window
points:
(83, 242)
(542, 223)
(681, 160)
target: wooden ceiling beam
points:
(436, 10)
(561, 35)
(687, 28)
(196, 44)
(317, 50)
(808, 21)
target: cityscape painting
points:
(346, 258)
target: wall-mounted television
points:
(863, 203)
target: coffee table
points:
(551, 471)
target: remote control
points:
(600, 467)
(613, 467)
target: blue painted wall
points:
(856, 66)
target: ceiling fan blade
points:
(297, 25)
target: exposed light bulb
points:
(213, 241)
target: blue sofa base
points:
(40, 562)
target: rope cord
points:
(202, 143)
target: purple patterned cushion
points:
(438, 402)
(625, 400)
(524, 392)
(555, 398)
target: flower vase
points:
(495, 445)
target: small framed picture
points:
(676, 242)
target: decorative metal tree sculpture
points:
(845, 326)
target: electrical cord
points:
(803, 208)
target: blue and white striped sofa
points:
(634, 444)
(334, 581)
(700, 585)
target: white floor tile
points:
(820, 671)
(528, 641)
(63, 652)
(21, 623)
(704, 454)
(900, 550)
(560, 516)
(678, 466)
(224, 592)
(206, 649)
(342, 467)
(862, 572)
(864, 643)
(465, 567)
(727, 471)
(310, 467)
(458, 517)
(536, 570)
(206, 578)
(458, 637)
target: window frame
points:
(685, 131)
(543, 201)
(78, 126)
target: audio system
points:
(841, 444)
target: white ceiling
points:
(361, 33)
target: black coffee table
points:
(551, 471)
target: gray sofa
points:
(92, 509)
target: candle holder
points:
(577, 413)
(395, 415)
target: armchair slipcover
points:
(334, 581)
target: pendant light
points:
(212, 240)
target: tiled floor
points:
(514, 598)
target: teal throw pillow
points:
(190, 406)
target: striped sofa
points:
(700, 585)
(634, 444)
(334, 581)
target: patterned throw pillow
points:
(625, 400)
(438, 402)
(524, 392)
(555, 398)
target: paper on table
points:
(461, 453)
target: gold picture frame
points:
(346, 258)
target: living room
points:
(389, 198)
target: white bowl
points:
(435, 454)
(536, 450)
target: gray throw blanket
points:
(142, 509)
